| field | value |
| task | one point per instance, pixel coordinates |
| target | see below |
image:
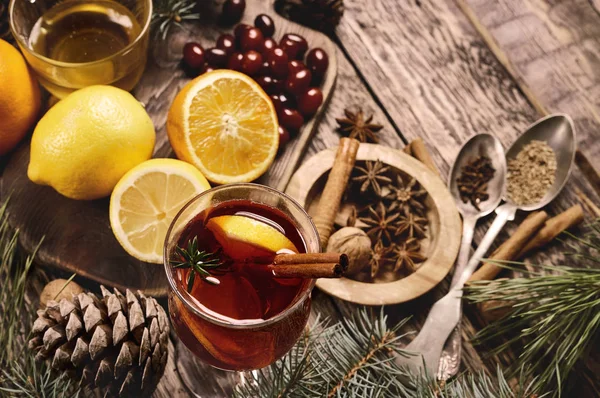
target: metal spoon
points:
(559, 133)
(427, 341)
(490, 146)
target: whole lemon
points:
(19, 97)
(86, 142)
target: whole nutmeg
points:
(355, 243)
(51, 290)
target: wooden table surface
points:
(443, 71)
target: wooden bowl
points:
(444, 226)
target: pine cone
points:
(115, 343)
(323, 15)
(4, 24)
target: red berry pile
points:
(287, 71)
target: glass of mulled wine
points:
(236, 315)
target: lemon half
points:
(147, 199)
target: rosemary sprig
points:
(555, 310)
(169, 13)
(200, 262)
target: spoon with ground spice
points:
(539, 164)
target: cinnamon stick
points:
(407, 150)
(312, 258)
(513, 245)
(588, 202)
(335, 187)
(552, 228)
(315, 270)
(421, 153)
(588, 170)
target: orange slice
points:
(244, 237)
(225, 124)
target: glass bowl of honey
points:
(73, 44)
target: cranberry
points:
(252, 39)
(294, 45)
(193, 55)
(278, 61)
(216, 57)
(268, 46)
(309, 102)
(284, 137)
(298, 82)
(207, 69)
(235, 61)
(276, 102)
(291, 119)
(317, 62)
(226, 42)
(295, 66)
(251, 62)
(233, 10)
(278, 85)
(286, 100)
(265, 69)
(239, 30)
(265, 24)
(266, 82)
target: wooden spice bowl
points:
(441, 247)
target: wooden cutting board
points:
(77, 234)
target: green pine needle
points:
(555, 310)
(199, 262)
(354, 358)
(20, 374)
(170, 13)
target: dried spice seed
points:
(408, 255)
(354, 125)
(531, 173)
(379, 224)
(372, 177)
(473, 180)
(412, 225)
(379, 257)
(407, 198)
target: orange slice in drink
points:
(244, 237)
(225, 124)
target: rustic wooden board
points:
(77, 234)
(444, 229)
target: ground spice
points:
(531, 173)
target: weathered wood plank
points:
(437, 78)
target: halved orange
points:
(225, 124)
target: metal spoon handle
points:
(465, 248)
(504, 213)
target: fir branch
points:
(354, 358)
(20, 374)
(556, 314)
(170, 13)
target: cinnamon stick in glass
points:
(331, 198)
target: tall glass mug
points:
(250, 318)
(71, 44)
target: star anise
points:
(413, 225)
(407, 198)
(354, 125)
(408, 255)
(379, 224)
(379, 257)
(372, 176)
